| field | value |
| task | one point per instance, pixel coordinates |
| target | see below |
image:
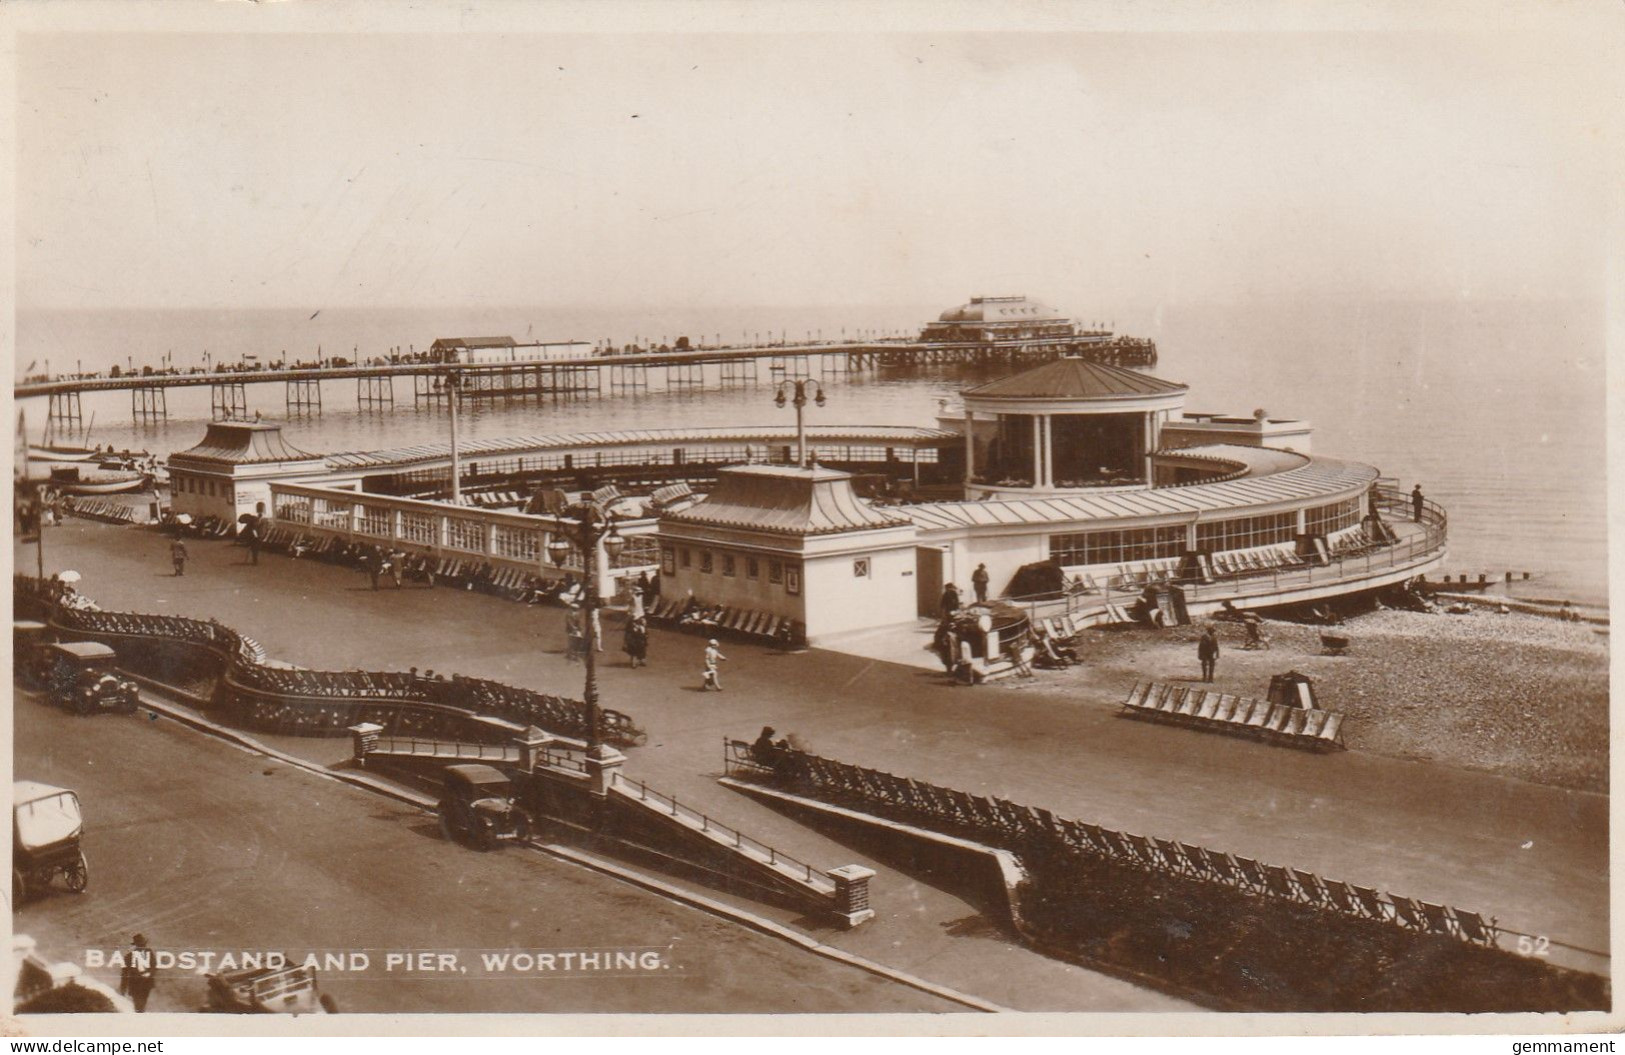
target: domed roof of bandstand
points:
(1075, 378)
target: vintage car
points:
(30, 662)
(478, 808)
(84, 677)
(287, 990)
(46, 826)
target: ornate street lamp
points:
(799, 401)
(451, 381)
(583, 527)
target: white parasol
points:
(68, 576)
(184, 518)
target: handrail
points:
(776, 858)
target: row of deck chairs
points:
(1221, 712)
(686, 614)
(497, 499)
(1244, 873)
(103, 509)
(1351, 543)
(1148, 573)
(1251, 562)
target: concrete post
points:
(970, 446)
(532, 748)
(852, 893)
(603, 768)
(363, 738)
(1038, 450)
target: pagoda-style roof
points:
(785, 500)
(243, 443)
(1074, 377)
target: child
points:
(713, 655)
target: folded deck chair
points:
(1210, 706)
(1226, 711)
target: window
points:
(860, 568)
(668, 561)
(705, 561)
(792, 580)
(728, 565)
(775, 572)
(1246, 532)
(686, 557)
(1117, 547)
(753, 568)
(1328, 520)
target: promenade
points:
(1534, 856)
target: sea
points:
(1495, 407)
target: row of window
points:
(183, 484)
(1155, 543)
(731, 565)
(1328, 520)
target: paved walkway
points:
(1534, 856)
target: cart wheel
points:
(19, 887)
(77, 875)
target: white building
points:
(793, 542)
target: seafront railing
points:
(296, 700)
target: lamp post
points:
(583, 527)
(450, 381)
(799, 401)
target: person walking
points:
(978, 581)
(950, 601)
(636, 643)
(177, 556)
(1207, 651)
(713, 677)
(1416, 503)
(138, 977)
(397, 567)
(375, 565)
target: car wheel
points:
(78, 875)
(448, 826)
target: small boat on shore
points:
(83, 480)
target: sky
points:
(262, 169)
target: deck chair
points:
(1172, 859)
(1340, 897)
(1312, 723)
(1220, 865)
(1210, 706)
(1226, 711)
(1474, 929)
(1259, 714)
(1187, 705)
(1310, 886)
(1097, 838)
(1196, 862)
(1277, 718)
(1371, 904)
(1293, 727)
(1250, 871)
(1438, 919)
(1331, 732)
(1137, 695)
(1407, 912)
(1140, 849)
(1277, 882)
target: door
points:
(928, 561)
